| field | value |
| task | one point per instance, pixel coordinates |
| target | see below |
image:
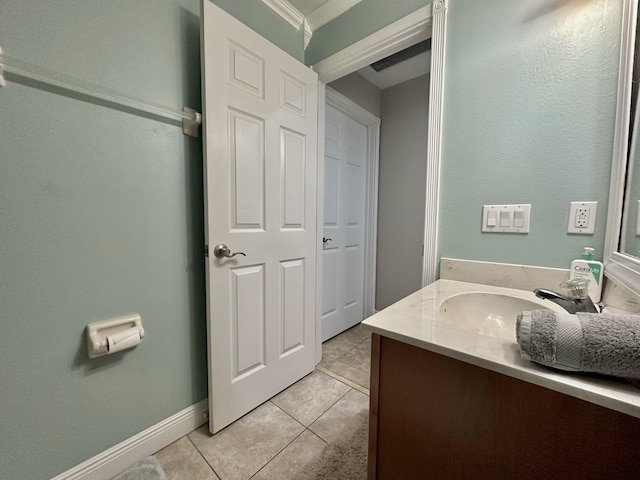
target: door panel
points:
(331, 198)
(293, 176)
(247, 170)
(260, 141)
(292, 287)
(246, 70)
(248, 315)
(293, 94)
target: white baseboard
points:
(118, 458)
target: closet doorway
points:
(425, 23)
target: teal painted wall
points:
(260, 18)
(101, 214)
(528, 118)
(362, 20)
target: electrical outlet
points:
(582, 217)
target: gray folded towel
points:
(589, 342)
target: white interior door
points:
(260, 121)
(345, 170)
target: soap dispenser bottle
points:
(589, 269)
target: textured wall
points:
(528, 118)
(360, 90)
(401, 191)
(101, 214)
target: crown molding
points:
(286, 11)
(319, 17)
(308, 33)
(328, 11)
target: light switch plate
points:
(501, 214)
(582, 217)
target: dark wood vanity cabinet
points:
(434, 417)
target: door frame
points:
(428, 21)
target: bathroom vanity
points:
(452, 399)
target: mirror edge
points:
(621, 268)
(625, 270)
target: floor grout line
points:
(346, 381)
(287, 413)
(318, 417)
(277, 453)
(323, 413)
(305, 427)
(351, 364)
(203, 457)
(285, 447)
(339, 358)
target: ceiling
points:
(305, 7)
(320, 12)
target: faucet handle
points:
(576, 288)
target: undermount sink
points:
(489, 314)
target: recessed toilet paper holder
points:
(114, 335)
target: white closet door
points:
(344, 216)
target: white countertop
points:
(416, 320)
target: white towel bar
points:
(190, 118)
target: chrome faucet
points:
(576, 300)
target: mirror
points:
(630, 234)
(622, 239)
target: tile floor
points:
(280, 437)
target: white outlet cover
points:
(574, 226)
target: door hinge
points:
(206, 250)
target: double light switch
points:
(506, 218)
